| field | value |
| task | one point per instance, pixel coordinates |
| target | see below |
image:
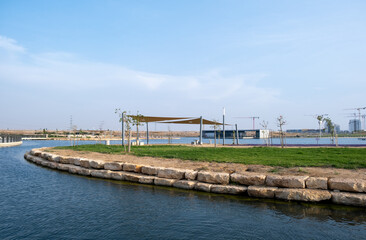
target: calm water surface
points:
(38, 203)
(288, 141)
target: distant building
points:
(337, 127)
(354, 125)
(256, 133)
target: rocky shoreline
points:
(344, 191)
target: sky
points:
(180, 58)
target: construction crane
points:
(251, 118)
(359, 111)
(320, 118)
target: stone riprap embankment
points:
(291, 188)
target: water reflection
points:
(299, 210)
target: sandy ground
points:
(216, 167)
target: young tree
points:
(128, 121)
(331, 129)
(280, 123)
(320, 119)
(123, 117)
(137, 121)
(169, 135)
(264, 125)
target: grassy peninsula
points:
(349, 158)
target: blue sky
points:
(180, 58)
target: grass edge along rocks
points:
(347, 158)
(290, 188)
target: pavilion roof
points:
(195, 121)
(156, 119)
(175, 120)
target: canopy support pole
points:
(237, 134)
(147, 132)
(201, 126)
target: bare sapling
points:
(280, 123)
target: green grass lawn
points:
(351, 158)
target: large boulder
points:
(44, 155)
(39, 161)
(64, 160)
(190, 174)
(213, 177)
(74, 169)
(44, 163)
(248, 178)
(149, 170)
(185, 184)
(117, 176)
(101, 173)
(75, 161)
(83, 171)
(63, 167)
(97, 164)
(52, 165)
(29, 157)
(38, 153)
(164, 182)
(228, 189)
(347, 184)
(147, 179)
(85, 163)
(35, 152)
(317, 183)
(204, 187)
(129, 167)
(55, 158)
(50, 157)
(132, 177)
(171, 173)
(262, 191)
(353, 199)
(307, 195)
(114, 166)
(286, 181)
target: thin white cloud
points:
(10, 45)
(67, 72)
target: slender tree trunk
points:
(129, 141)
(281, 136)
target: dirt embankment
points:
(217, 167)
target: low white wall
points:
(11, 144)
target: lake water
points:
(288, 141)
(39, 203)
